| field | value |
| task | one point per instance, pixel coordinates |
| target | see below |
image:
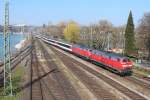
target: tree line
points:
(104, 35)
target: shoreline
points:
(21, 44)
(20, 33)
(17, 47)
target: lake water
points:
(14, 39)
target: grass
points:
(16, 82)
(141, 71)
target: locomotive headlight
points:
(124, 65)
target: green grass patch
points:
(16, 97)
(142, 71)
(16, 82)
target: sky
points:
(85, 12)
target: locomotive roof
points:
(109, 54)
(116, 55)
(100, 52)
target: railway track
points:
(147, 79)
(15, 62)
(47, 82)
(39, 89)
(61, 88)
(131, 94)
(16, 56)
(135, 82)
(93, 86)
(142, 83)
(36, 87)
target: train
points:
(115, 62)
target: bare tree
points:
(105, 26)
(97, 35)
(117, 38)
(143, 34)
(61, 26)
(84, 36)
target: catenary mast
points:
(7, 54)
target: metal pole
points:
(123, 43)
(7, 55)
(108, 40)
(91, 37)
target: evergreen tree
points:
(129, 37)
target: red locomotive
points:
(114, 61)
(81, 51)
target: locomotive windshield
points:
(125, 60)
